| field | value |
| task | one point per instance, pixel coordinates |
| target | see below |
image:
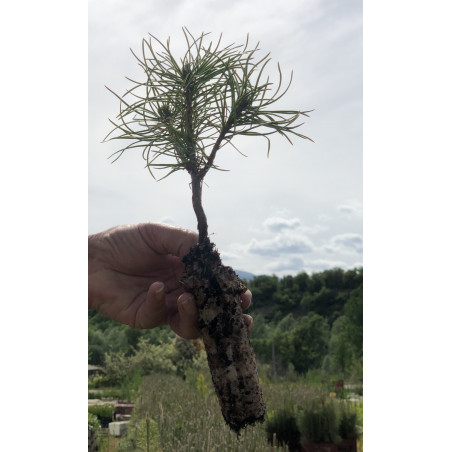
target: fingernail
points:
(159, 288)
(188, 303)
(248, 322)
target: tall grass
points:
(189, 418)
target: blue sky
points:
(301, 208)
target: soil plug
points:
(232, 363)
(182, 113)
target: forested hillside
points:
(302, 323)
(307, 322)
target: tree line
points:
(302, 323)
(309, 322)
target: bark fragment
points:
(232, 363)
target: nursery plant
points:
(184, 111)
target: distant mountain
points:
(245, 275)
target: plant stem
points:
(197, 178)
(196, 187)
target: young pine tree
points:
(181, 114)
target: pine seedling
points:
(183, 112)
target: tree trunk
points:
(232, 363)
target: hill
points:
(245, 275)
(302, 322)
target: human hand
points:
(133, 277)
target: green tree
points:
(116, 367)
(264, 289)
(334, 278)
(184, 354)
(353, 278)
(97, 347)
(153, 358)
(309, 342)
(326, 302)
(354, 314)
(340, 350)
(316, 282)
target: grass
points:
(106, 442)
(189, 418)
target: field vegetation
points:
(307, 335)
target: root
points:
(232, 363)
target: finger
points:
(152, 312)
(246, 299)
(186, 323)
(248, 322)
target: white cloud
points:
(292, 265)
(351, 208)
(345, 243)
(285, 224)
(281, 244)
(318, 265)
(277, 224)
(227, 256)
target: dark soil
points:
(232, 363)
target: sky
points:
(300, 209)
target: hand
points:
(133, 277)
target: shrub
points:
(116, 367)
(201, 385)
(96, 381)
(282, 426)
(107, 393)
(130, 386)
(153, 358)
(93, 422)
(103, 412)
(347, 424)
(184, 353)
(319, 424)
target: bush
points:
(150, 358)
(201, 385)
(320, 424)
(184, 353)
(93, 422)
(103, 412)
(130, 386)
(347, 425)
(282, 426)
(107, 393)
(116, 368)
(97, 381)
